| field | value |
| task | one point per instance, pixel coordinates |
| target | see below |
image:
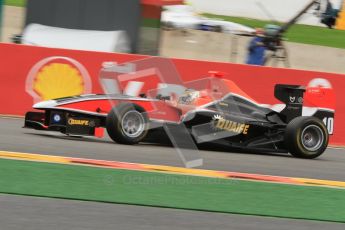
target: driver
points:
(188, 97)
(189, 100)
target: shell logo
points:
(57, 77)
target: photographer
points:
(257, 49)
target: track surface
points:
(20, 212)
(329, 166)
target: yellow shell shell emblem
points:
(57, 80)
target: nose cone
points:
(45, 104)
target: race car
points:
(215, 110)
(184, 17)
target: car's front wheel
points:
(127, 124)
(306, 137)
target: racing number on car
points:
(329, 122)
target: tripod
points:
(279, 54)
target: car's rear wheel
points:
(306, 137)
(127, 124)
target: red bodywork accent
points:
(103, 106)
(319, 97)
(149, 77)
(158, 110)
(99, 132)
(210, 89)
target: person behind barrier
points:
(257, 49)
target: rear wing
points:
(307, 101)
(292, 97)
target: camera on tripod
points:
(272, 37)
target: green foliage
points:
(20, 3)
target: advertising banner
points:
(340, 25)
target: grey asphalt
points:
(22, 212)
(34, 213)
(331, 165)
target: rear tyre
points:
(306, 137)
(127, 124)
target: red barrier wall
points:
(258, 82)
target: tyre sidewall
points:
(293, 140)
(114, 123)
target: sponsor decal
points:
(320, 82)
(56, 77)
(292, 99)
(57, 118)
(81, 122)
(295, 100)
(92, 124)
(231, 126)
(224, 104)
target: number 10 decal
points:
(329, 122)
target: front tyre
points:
(127, 124)
(306, 137)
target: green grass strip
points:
(150, 22)
(306, 34)
(172, 191)
(20, 3)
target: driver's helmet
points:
(189, 96)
